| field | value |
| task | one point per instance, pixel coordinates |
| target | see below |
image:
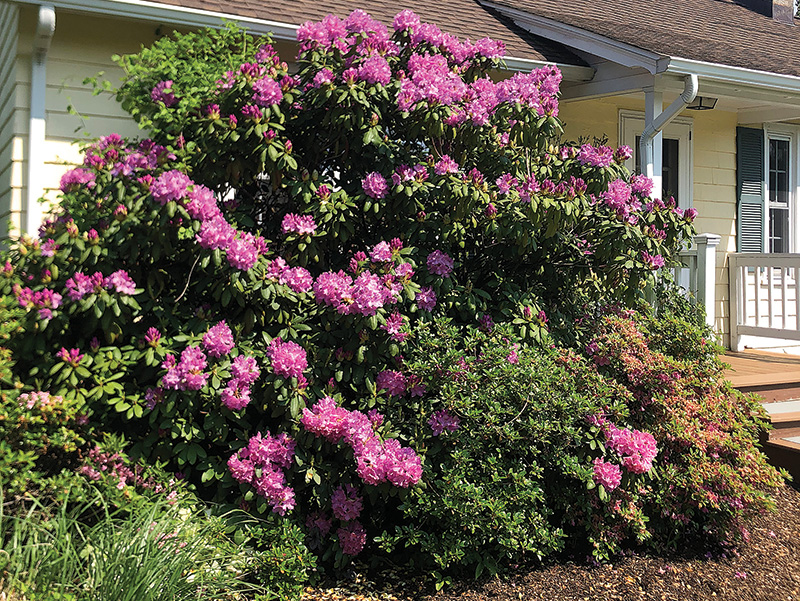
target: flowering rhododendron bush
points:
(240, 292)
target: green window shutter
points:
(750, 189)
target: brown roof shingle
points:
(464, 18)
(715, 31)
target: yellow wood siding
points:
(82, 47)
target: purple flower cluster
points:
(394, 327)
(266, 92)
(607, 474)
(186, 374)
(652, 261)
(346, 503)
(75, 178)
(79, 285)
(440, 263)
(392, 381)
(378, 460)
(369, 291)
(426, 299)
(245, 371)
(619, 197)
(218, 341)
(442, 421)
(72, 356)
(297, 279)
(261, 464)
(374, 185)
(162, 92)
(638, 449)
(596, 156)
(288, 358)
(352, 538)
(43, 301)
(299, 224)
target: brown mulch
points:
(767, 568)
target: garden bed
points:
(765, 569)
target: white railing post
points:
(737, 299)
(706, 245)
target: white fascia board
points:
(570, 72)
(174, 15)
(581, 39)
(781, 85)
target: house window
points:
(779, 193)
(676, 154)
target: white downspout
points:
(658, 122)
(45, 28)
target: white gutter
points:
(764, 80)
(45, 28)
(690, 87)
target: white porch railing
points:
(764, 296)
(698, 274)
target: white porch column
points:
(651, 162)
(706, 245)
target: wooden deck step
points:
(783, 443)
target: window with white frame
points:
(780, 196)
(676, 154)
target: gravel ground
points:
(767, 568)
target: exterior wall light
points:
(702, 103)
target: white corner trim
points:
(45, 28)
(581, 39)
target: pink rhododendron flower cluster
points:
(79, 285)
(188, 373)
(42, 300)
(394, 326)
(638, 449)
(75, 178)
(393, 382)
(162, 92)
(72, 356)
(652, 261)
(288, 358)
(352, 538)
(378, 461)
(442, 421)
(297, 279)
(374, 185)
(218, 341)
(596, 156)
(440, 263)
(100, 464)
(346, 503)
(236, 394)
(607, 474)
(298, 224)
(261, 464)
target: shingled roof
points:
(464, 18)
(717, 31)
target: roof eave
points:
(728, 74)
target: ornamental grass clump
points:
(241, 293)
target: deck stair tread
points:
(783, 408)
(752, 368)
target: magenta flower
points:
(75, 178)
(121, 282)
(299, 224)
(442, 421)
(394, 326)
(375, 69)
(392, 382)
(652, 261)
(374, 185)
(245, 370)
(162, 92)
(72, 357)
(440, 263)
(381, 252)
(234, 396)
(215, 233)
(152, 337)
(170, 185)
(352, 538)
(288, 358)
(346, 503)
(606, 474)
(426, 299)
(267, 92)
(406, 19)
(242, 253)
(218, 341)
(297, 278)
(445, 165)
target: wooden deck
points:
(753, 368)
